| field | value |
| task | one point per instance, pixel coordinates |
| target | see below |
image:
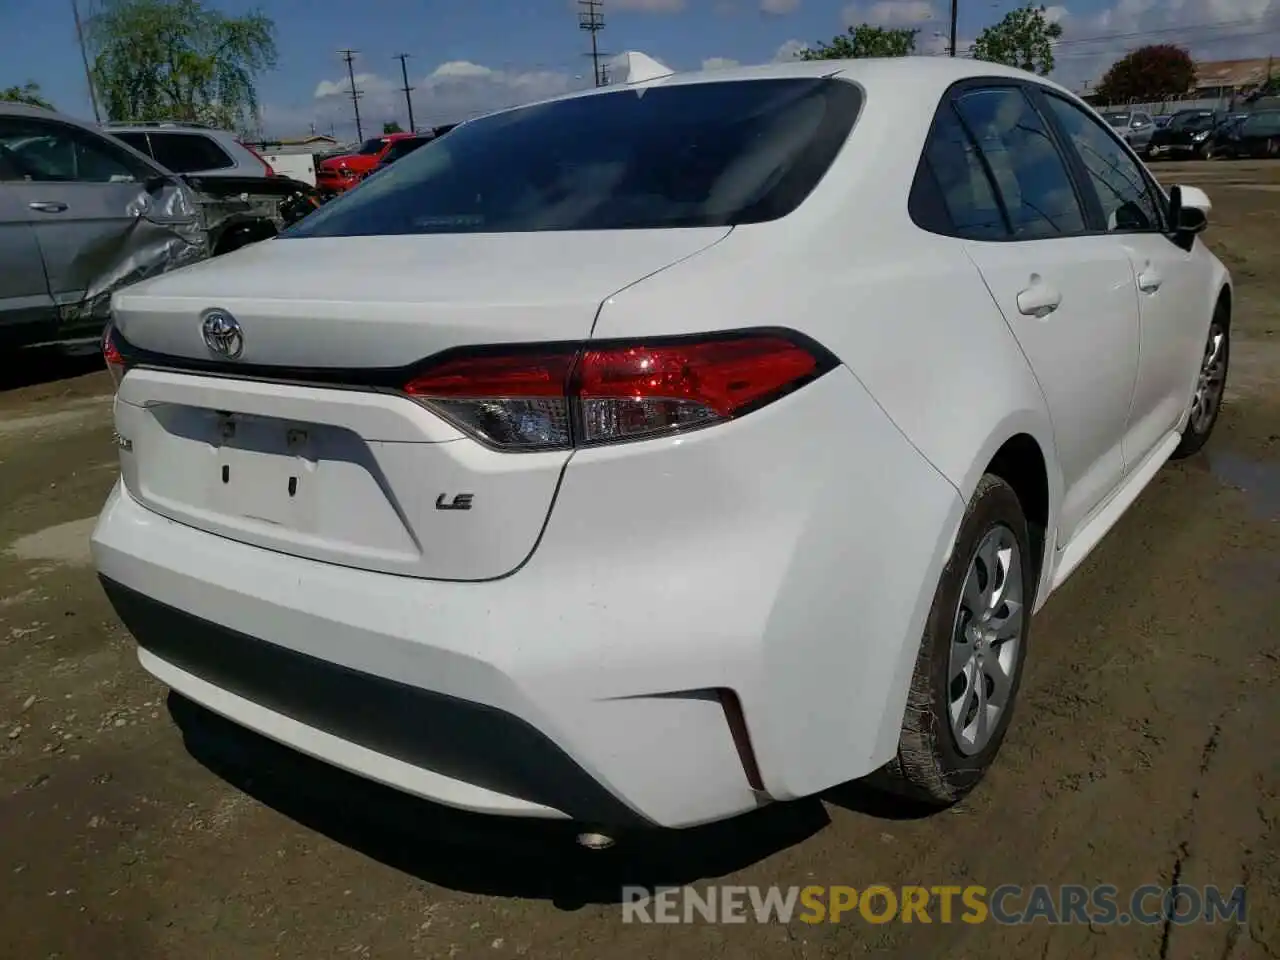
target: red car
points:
(342, 173)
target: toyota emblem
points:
(222, 334)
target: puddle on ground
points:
(66, 544)
(1258, 481)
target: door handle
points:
(47, 206)
(1038, 300)
(1149, 280)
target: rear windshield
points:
(1192, 121)
(1116, 119)
(686, 155)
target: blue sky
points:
(469, 55)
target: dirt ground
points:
(1145, 749)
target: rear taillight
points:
(116, 364)
(605, 393)
(270, 171)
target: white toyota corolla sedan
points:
(651, 454)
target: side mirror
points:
(1188, 211)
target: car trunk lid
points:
(303, 445)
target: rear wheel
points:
(969, 666)
(1206, 402)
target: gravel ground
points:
(133, 825)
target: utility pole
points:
(591, 19)
(349, 56)
(84, 56)
(408, 100)
(955, 15)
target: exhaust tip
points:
(595, 841)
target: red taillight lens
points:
(270, 171)
(628, 392)
(116, 363)
(519, 401)
(604, 393)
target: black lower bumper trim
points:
(460, 739)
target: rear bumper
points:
(784, 562)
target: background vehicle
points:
(192, 148)
(1185, 135)
(1162, 121)
(1136, 128)
(531, 441)
(82, 213)
(1258, 135)
(401, 148)
(335, 175)
(1221, 144)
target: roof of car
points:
(933, 73)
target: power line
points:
(591, 19)
(84, 56)
(349, 56)
(408, 100)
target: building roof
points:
(1235, 73)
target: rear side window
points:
(952, 172)
(685, 155)
(188, 152)
(1030, 172)
(136, 140)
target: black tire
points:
(930, 767)
(1199, 428)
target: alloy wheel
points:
(1213, 376)
(986, 640)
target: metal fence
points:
(1162, 107)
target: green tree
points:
(1023, 39)
(864, 40)
(1148, 73)
(391, 126)
(28, 93)
(179, 60)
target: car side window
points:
(959, 183)
(1127, 197)
(188, 152)
(1030, 172)
(46, 152)
(1141, 119)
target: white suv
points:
(650, 454)
(192, 148)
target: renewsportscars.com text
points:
(878, 903)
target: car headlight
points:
(1201, 137)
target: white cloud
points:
(1210, 29)
(453, 91)
(648, 6)
(890, 13)
(779, 7)
(718, 63)
(790, 50)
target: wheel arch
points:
(1021, 451)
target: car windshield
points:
(1116, 119)
(685, 155)
(370, 146)
(402, 147)
(1192, 122)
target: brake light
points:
(260, 158)
(605, 393)
(116, 364)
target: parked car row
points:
(85, 210)
(1200, 134)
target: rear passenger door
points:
(1171, 282)
(1066, 292)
